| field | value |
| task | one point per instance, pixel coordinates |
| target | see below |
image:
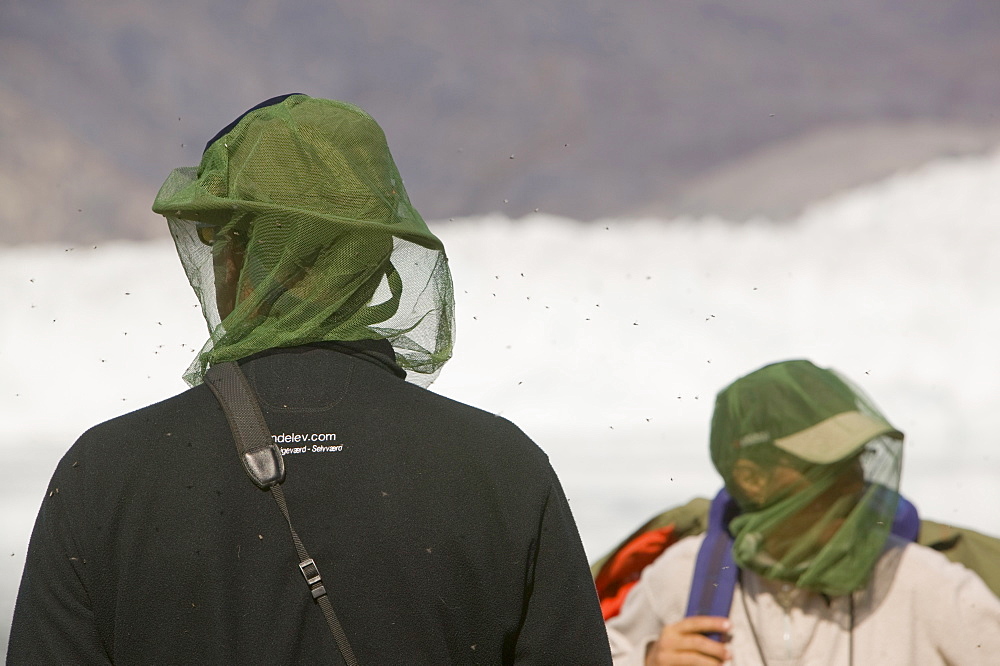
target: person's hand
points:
(684, 643)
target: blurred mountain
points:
(56, 186)
(582, 108)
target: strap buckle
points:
(311, 573)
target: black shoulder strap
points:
(263, 463)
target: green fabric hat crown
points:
(321, 160)
(793, 406)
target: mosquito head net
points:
(815, 468)
(295, 228)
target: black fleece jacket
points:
(441, 531)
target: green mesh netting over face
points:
(815, 468)
(295, 228)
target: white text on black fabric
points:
(306, 442)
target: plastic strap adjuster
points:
(311, 573)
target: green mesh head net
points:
(295, 228)
(815, 468)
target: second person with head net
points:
(809, 553)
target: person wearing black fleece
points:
(441, 530)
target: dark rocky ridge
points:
(586, 109)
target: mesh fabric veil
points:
(295, 228)
(815, 468)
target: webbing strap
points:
(263, 463)
(315, 582)
(715, 573)
(260, 456)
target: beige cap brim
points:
(835, 438)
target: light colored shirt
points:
(918, 608)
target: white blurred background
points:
(606, 342)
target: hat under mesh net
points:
(295, 228)
(815, 468)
